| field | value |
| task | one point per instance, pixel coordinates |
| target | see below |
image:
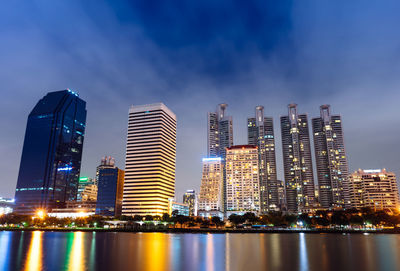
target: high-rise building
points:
(220, 132)
(281, 195)
(331, 160)
(376, 189)
(260, 132)
(150, 160)
(189, 198)
(110, 188)
(298, 171)
(242, 180)
(52, 151)
(219, 137)
(210, 201)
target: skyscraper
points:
(219, 137)
(220, 132)
(189, 198)
(110, 188)
(373, 188)
(297, 161)
(150, 160)
(260, 132)
(331, 160)
(52, 151)
(242, 180)
(211, 188)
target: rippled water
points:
(159, 251)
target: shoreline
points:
(213, 231)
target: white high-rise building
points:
(150, 160)
(242, 180)
(211, 189)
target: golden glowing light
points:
(40, 214)
(34, 259)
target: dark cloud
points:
(193, 56)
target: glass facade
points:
(52, 151)
(110, 191)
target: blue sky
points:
(192, 56)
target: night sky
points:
(192, 55)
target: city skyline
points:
(306, 57)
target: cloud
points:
(194, 56)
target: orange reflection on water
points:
(34, 259)
(76, 257)
(155, 251)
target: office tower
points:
(220, 132)
(86, 182)
(150, 160)
(210, 202)
(242, 180)
(297, 161)
(110, 188)
(219, 137)
(331, 160)
(52, 151)
(376, 189)
(189, 198)
(260, 132)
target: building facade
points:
(242, 180)
(52, 152)
(91, 185)
(150, 160)
(110, 188)
(297, 161)
(219, 137)
(376, 189)
(210, 201)
(260, 133)
(176, 208)
(331, 160)
(189, 198)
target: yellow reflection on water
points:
(155, 251)
(34, 259)
(76, 256)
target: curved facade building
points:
(52, 152)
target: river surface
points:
(161, 251)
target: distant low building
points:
(189, 198)
(375, 188)
(74, 209)
(176, 208)
(87, 189)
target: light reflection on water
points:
(79, 251)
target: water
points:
(159, 251)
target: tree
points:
(165, 217)
(236, 219)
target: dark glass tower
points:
(110, 188)
(51, 156)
